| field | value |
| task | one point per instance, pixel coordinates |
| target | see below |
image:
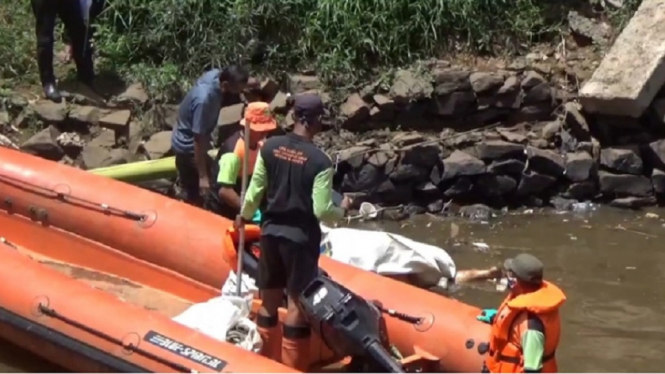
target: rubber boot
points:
(271, 335)
(296, 347)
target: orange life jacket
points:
(229, 250)
(505, 355)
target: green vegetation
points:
(165, 43)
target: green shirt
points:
(533, 349)
(229, 168)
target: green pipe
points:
(142, 171)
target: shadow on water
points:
(610, 264)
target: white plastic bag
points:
(219, 315)
(388, 254)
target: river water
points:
(609, 262)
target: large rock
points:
(50, 112)
(409, 173)
(510, 167)
(485, 83)
(302, 83)
(538, 94)
(656, 153)
(355, 111)
(632, 73)
(447, 81)
(230, 115)
(534, 183)
(116, 120)
(455, 103)
(409, 87)
(44, 144)
(532, 79)
(426, 155)
(624, 184)
(384, 109)
(576, 123)
(94, 157)
(85, 114)
(462, 164)
(158, 145)
(582, 191)
(134, 94)
(353, 156)
(545, 161)
(104, 138)
(365, 178)
(510, 94)
(623, 160)
(492, 185)
(579, 166)
(658, 181)
(499, 150)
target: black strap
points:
(518, 360)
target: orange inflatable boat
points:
(131, 233)
(90, 321)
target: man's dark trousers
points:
(71, 14)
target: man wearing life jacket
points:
(294, 179)
(224, 198)
(526, 327)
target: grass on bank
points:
(166, 43)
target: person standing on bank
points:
(295, 179)
(74, 17)
(227, 172)
(526, 328)
(197, 118)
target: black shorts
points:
(284, 264)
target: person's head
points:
(233, 79)
(524, 272)
(260, 120)
(307, 114)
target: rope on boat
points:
(8, 243)
(399, 315)
(129, 347)
(49, 193)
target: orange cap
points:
(259, 117)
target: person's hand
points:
(346, 203)
(487, 315)
(495, 272)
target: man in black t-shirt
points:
(295, 179)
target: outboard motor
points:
(347, 323)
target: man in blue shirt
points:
(197, 118)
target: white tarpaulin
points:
(226, 317)
(388, 254)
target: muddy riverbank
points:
(608, 261)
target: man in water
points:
(197, 118)
(295, 179)
(224, 198)
(526, 327)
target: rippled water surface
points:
(610, 263)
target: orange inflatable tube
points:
(83, 329)
(129, 221)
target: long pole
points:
(243, 191)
